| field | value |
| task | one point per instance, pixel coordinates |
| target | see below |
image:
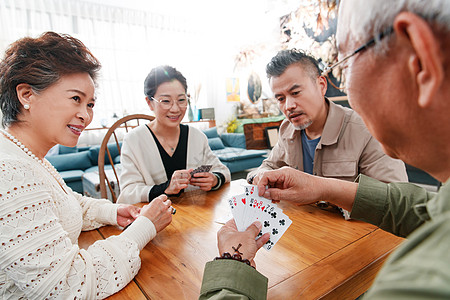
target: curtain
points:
(128, 43)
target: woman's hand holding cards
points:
(204, 181)
(180, 180)
(202, 178)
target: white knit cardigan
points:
(39, 228)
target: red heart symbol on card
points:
(243, 200)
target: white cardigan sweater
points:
(39, 229)
(142, 167)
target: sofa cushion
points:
(211, 132)
(244, 164)
(65, 150)
(76, 186)
(71, 161)
(215, 143)
(234, 154)
(236, 140)
(83, 148)
(71, 176)
(95, 168)
(94, 150)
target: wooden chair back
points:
(127, 123)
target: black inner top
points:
(171, 163)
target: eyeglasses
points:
(168, 103)
(367, 45)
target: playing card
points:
(277, 229)
(251, 189)
(223, 218)
(268, 214)
(260, 206)
(249, 211)
(255, 208)
(254, 204)
(201, 169)
(237, 206)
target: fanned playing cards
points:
(201, 169)
(249, 207)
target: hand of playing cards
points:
(201, 169)
(249, 207)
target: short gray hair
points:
(286, 58)
(368, 18)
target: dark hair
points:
(159, 75)
(285, 58)
(40, 62)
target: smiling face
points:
(300, 97)
(172, 91)
(58, 114)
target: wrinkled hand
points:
(204, 180)
(159, 212)
(228, 237)
(257, 177)
(180, 180)
(289, 184)
(126, 214)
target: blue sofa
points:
(230, 148)
(73, 162)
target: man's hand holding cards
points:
(249, 207)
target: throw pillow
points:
(215, 143)
(211, 132)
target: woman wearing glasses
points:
(158, 158)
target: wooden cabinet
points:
(255, 134)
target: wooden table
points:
(320, 256)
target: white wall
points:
(227, 27)
(216, 32)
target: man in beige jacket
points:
(318, 136)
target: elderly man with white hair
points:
(397, 64)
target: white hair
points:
(366, 19)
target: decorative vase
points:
(196, 112)
(190, 114)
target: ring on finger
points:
(173, 210)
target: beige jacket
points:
(345, 150)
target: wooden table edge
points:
(368, 272)
(357, 282)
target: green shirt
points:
(230, 279)
(418, 269)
